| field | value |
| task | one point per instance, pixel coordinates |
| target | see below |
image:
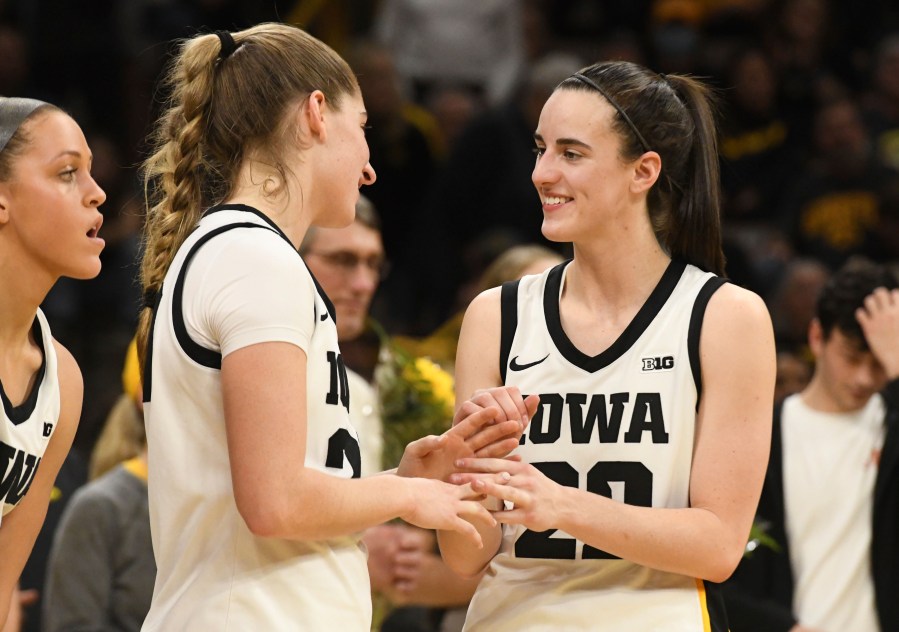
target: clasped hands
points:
(474, 454)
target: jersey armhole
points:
(508, 325)
(696, 317)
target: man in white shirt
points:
(831, 495)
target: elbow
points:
(722, 565)
(263, 517)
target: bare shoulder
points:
(71, 390)
(477, 355)
(733, 309)
(737, 325)
(482, 321)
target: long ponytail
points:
(229, 97)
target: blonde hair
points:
(123, 437)
(225, 104)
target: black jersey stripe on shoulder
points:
(628, 337)
(253, 211)
(19, 414)
(146, 379)
(195, 351)
(321, 292)
(695, 329)
(508, 324)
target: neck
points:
(284, 207)
(613, 272)
(24, 285)
(818, 396)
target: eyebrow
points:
(565, 142)
(69, 152)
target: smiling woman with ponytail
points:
(635, 488)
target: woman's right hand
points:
(434, 504)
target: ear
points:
(4, 204)
(314, 113)
(816, 337)
(646, 171)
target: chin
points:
(85, 272)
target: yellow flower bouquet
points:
(416, 397)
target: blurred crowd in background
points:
(809, 122)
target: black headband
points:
(227, 42)
(13, 112)
(627, 119)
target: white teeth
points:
(555, 200)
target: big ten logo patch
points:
(658, 363)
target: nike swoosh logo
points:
(521, 367)
(324, 317)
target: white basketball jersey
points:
(26, 429)
(213, 573)
(619, 424)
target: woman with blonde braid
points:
(255, 495)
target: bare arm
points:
(731, 448)
(21, 526)
(264, 389)
(477, 366)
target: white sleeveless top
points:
(620, 424)
(245, 285)
(26, 429)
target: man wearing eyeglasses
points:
(349, 263)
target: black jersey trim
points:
(21, 413)
(628, 337)
(508, 324)
(195, 351)
(714, 601)
(146, 378)
(695, 329)
(249, 209)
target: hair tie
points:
(627, 119)
(150, 299)
(227, 42)
(13, 112)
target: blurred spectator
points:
(881, 105)
(830, 500)
(475, 44)
(793, 374)
(755, 140)
(405, 145)
(792, 303)
(834, 209)
(102, 570)
(14, 66)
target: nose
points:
(869, 374)
(94, 196)
(364, 280)
(368, 175)
(544, 173)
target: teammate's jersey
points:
(244, 284)
(26, 429)
(620, 424)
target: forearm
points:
(689, 541)
(312, 505)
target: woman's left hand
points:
(478, 433)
